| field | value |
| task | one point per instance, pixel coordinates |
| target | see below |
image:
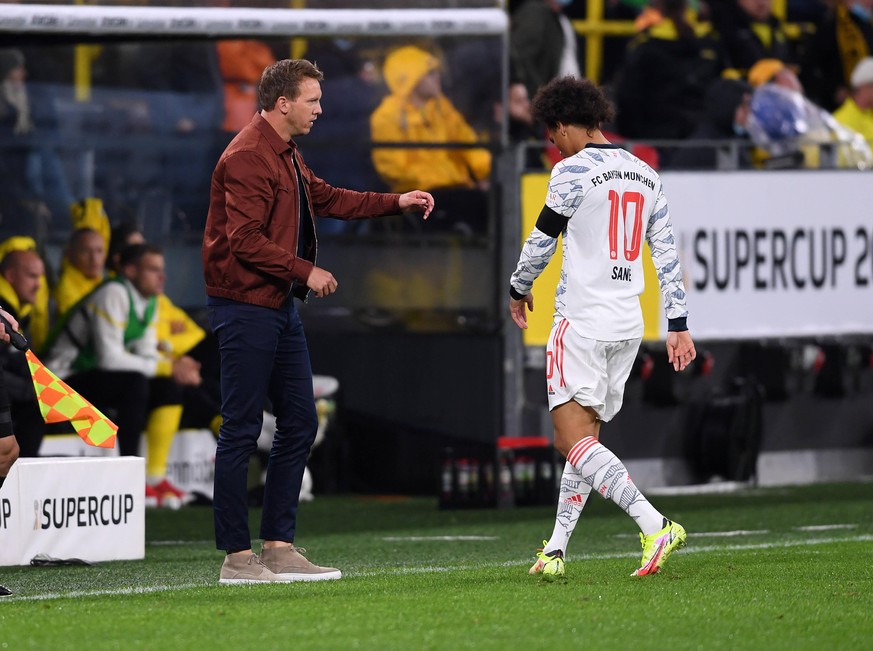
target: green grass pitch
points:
(781, 568)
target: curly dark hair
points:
(283, 78)
(569, 100)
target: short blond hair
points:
(282, 79)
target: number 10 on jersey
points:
(626, 205)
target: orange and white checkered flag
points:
(59, 403)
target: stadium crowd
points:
(159, 114)
(696, 74)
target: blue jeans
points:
(263, 354)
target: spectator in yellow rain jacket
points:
(85, 255)
(39, 310)
(22, 274)
(81, 268)
(417, 111)
(856, 112)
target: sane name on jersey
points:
(621, 273)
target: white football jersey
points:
(612, 200)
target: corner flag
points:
(59, 403)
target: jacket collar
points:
(273, 139)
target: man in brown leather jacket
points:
(259, 252)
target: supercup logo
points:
(783, 259)
(83, 511)
(5, 512)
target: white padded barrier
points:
(87, 508)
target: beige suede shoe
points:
(246, 569)
(289, 564)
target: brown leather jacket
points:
(250, 243)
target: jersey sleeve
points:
(662, 243)
(535, 255)
(563, 197)
(565, 188)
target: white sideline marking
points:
(717, 534)
(714, 488)
(436, 538)
(614, 555)
(730, 534)
(826, 527)
(434, 569)
(107, 592)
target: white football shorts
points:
(589, 371)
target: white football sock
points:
(606, 474)
(571, 500)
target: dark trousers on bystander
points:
(263, 355)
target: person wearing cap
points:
(418, 111)
(856, 112)
(774, 71)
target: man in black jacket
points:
(750, 31)
(727, 105)
(542, 43)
